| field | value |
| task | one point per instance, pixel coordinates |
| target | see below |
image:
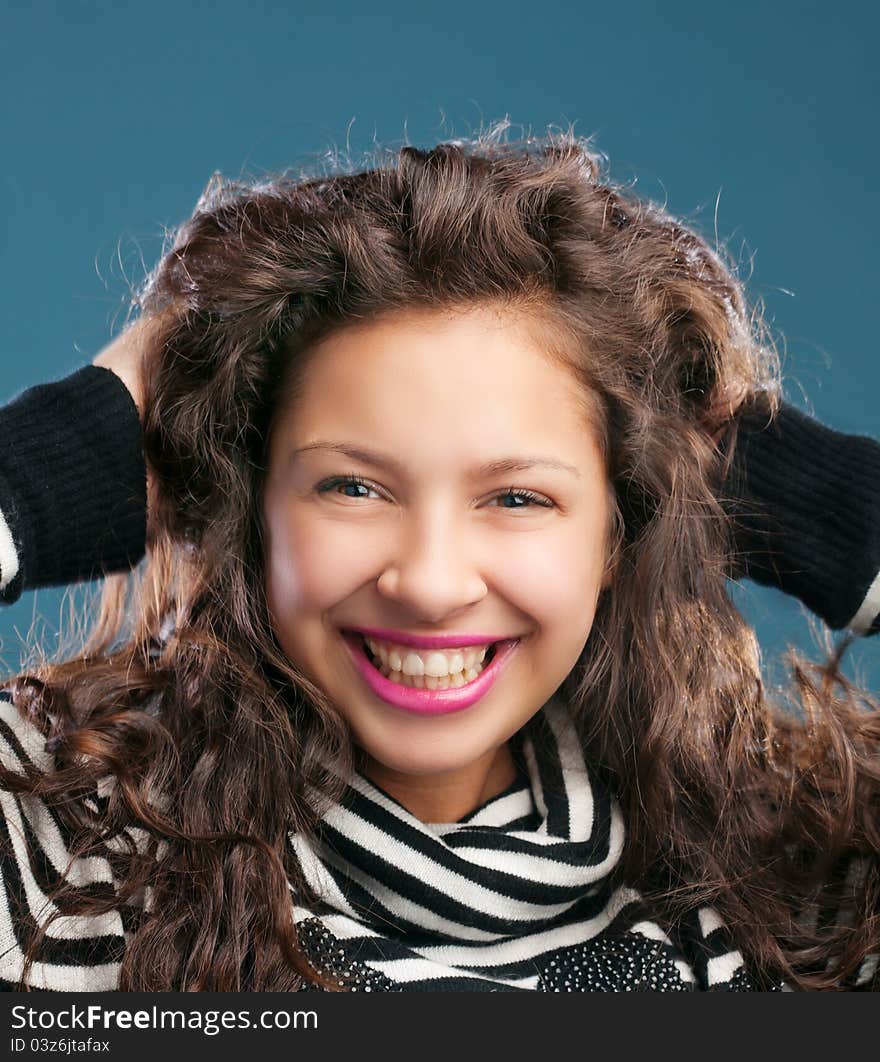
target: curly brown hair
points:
(730, 799)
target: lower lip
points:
(430, 702)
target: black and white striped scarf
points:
(516, 895)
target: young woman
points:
(430, 679)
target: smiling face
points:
(430, 541)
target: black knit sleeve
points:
(805, 505)
(72, 483)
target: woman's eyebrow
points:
(498, 467)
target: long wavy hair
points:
(184, 703)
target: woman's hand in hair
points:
(124, 355)
(726, 406)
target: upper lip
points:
(434, 641)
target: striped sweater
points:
(516, 896)
(513, 897)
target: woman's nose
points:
(431, 572)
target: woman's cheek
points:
(554, 579)
(316, 564)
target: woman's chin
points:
(416, 763)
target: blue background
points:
(754, 121)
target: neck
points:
(450, 796)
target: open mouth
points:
(358, 641)
(377, 663)
(429, 694)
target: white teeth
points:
(413, 665)
(438, 666)
(432, 682)
(429, 664)
(431, 670)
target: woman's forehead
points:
(476, 388)
(480, 364)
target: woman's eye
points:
(524, 499)
(355, 487)
(360, 485)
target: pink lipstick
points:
(431, 702)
